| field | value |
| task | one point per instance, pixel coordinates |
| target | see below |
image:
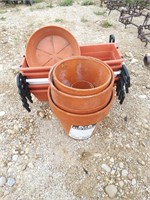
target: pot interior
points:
(82, 73)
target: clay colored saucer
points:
(49, 45)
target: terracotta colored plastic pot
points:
(69, 119)
(81, 104)
(49, 45)
(24, 68)
(108, 52)
(40, 94)
(81, 75)
(35, 74)
(38, 86)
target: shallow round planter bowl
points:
(80, 75)
(81, 104)
(68, 119)
(49, 45)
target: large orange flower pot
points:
(81, 75)
(81, 104)
(69, 119)
(107, 52)
(50, 44)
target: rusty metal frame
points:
(129, 11)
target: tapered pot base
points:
(72, 121)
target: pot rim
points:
(79, 96)
(65, 34)
(84, 58)
(81, 115)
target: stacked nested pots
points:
(80, 79)
(81, 91)
(51, 44)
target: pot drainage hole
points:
(82, 85)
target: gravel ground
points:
(38, 161)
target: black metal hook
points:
(24, 91)
(123, 84)
(111, 38)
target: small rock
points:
(130, 176)
(129, 54)
(111, 190)
(121, 165)
(16, 127)
(133, 71)
(41, 114)
(133, 182)
(2, 181)
(140, 161)
(143, 143)
(110, 135)
(124, 172)
(137, 133)
(2, 113)
(121, 184)
(113, 171)
(125, 118)
(112, 160)
(146, 60)
(148, 86)
(10, 131)
(134, 61)
(14, 67)
(31, 165)
(128, 146)
(143, 96)
(21, 167)
(27, 150)
(10, 182)
(146, 126)
(106, 167)
(15, 157)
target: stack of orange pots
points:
(80, 79)
(81, 93)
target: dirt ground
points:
(38, 161)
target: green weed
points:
(37, 1)
(3, 11)
(58, 20)
(50, 5)
(66, 3)
(99, 13)
(106, 24)
(84, 20)
(3, 18)
(87, 3)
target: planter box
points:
(40, 94)
(109, 53)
